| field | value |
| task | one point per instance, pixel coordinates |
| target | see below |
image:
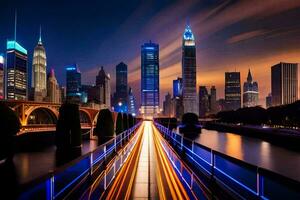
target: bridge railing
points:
(241, 179)
(64, 180)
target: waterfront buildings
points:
(2, 95)
(213, 104)
(232, 90)
(284, 83)
(121, 94)
(250, 92)
(103, 89)
(268, 101)
(39, 68)
(53, 90)
(177, 87)
(131, 103)
(150, 79)
(167, 105)
(189, 70)
(203, 101)
(16, 71)
(73, 83)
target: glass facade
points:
(189, 70)
(16, 73)
(1, 77)
(131, 103)
(150, 79)
(177, 87)
(250, 93)
(121, 94)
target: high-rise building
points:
(250, 93)
(167, 105)
(177, 87)
(53, 90)
(39, 64)
(213, 104)
(131, 103)
(2, 95)
(73, 83)
(150, 79)
(284, 83)
(16, 71)
(121, 94)
(63, 94)
(232, 90)
(268, 101)
(203, 101)
(189, 70)
(103, 87)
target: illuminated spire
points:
(249, 77)
(188, 34)
(40, 38)
(16, 18)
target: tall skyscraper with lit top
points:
(150, 79)
(73, 83)
(189, 70)
(39, 77)
(250, 93)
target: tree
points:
(68, 128)
(105, 126)
(119, 124)
(9, 126)
(130, 121)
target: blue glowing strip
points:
(197, 156)
(236, 181)
(15, 46)
(70, 68)
(99, 158)
(78, 177)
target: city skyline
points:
(263, 45)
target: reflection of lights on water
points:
(120, 104)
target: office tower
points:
(284, 83)
(86, 96)
(2, 95)
(39, 64)
(73, 83)
(222, 105)
(203, 101)
(268, 101)
(150, 79)
(53, 90)
(232, 90)
(250, 93)
(177, 87)
(131, 103)
(121, 95)
(189, 70)
(167, 105)
(213, 105)
(103, 87)
(63, 94)
(16, 71)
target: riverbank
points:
(282, 137)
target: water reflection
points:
(234, 145)
(8, 180)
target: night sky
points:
(230, 35)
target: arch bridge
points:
(42, 116)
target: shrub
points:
(105, 126)
(119, 124)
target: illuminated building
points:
(39, 64)
(213, 104)
(1, 77)
(150, 79)
(103, 87)
(121, 94)
(16, 71)
(284, 83)
(250, 93)
(167, 105)
(189, 70)
(203, 101)
(73, 83)
(131, 103)
(232, 90)
(177, 87)
(53, 90)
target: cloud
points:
(246, 36)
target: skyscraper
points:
(16, 71)
(167, 105)
(203, 101)
(189, 70)
(2, 95)
(250, 93)
(131, 103)
(39, 64)
(121, 94)
(177, 87)
(284, 83)
(213, 104)
(103, 86)
(232, 90)
(268, 101)
(150, 79)
(73, 83)
(53, 90)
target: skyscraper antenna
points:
(40, 38)
(16, 18)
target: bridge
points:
(152, 162)
(42, 116)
